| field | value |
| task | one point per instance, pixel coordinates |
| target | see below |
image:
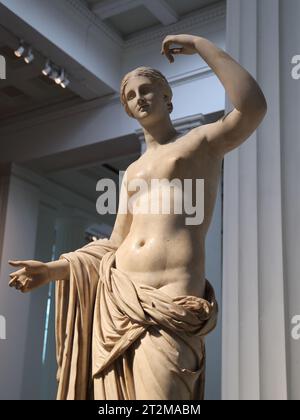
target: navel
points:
(141, 243)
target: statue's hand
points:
(186, 46)
(33, 274)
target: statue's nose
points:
(141, 100)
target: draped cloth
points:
(116, 340)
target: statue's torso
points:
(162, 250)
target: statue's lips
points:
(144, 108)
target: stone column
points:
(261, 231)
(19, 214)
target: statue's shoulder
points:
(133, 168)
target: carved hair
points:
(155, 76)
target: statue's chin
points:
(142, 115)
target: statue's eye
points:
(146, 89)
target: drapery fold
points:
(119, 340)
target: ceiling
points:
(26, 89)
(128, 17)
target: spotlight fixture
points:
(20, 50)
(65, 83)
(54, 73)
(60, 78)
(29, 56)
(47, 68)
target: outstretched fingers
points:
(13, 281)
(23, 285)
(19, 263)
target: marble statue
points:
(132, 311)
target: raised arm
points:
(243, 91)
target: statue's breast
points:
(168, 166)
(179, 160)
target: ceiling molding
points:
(109, 8)
(206, 16)
(162, 11)
(84, 11)
(189, 76)
(158, 8)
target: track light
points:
(20, 50)
(65, 83)
(60, 78)
(51, 70)
(29, 57)
(56, 73)
(47, 68)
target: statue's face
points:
(145, 99)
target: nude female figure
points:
(163, 244)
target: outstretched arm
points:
(33, 274)
(243, 91)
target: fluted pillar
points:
(260, 280)
(19, 208)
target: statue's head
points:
(148, 81)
